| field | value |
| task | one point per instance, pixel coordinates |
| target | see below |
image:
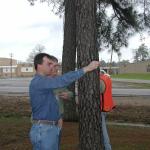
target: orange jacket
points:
(107, 103)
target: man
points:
(107, 104)
(61, 95)
(44, 133)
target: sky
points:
(24, 26)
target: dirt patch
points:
(15, 124)
(132, 100)
(128, 109)
(14, 105)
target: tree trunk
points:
(88, 93)
(69, 54)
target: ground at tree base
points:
(15, 125)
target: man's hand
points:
(63, 95)
(60, 122)
(92, 66)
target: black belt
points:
(47, 122)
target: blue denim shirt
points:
(42, 99)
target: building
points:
(138, 67)
(25, 70)
(8, 67)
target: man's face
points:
(47, 67)
(55, 70)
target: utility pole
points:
(110, 64)
(11, 63)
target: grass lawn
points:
(141, 76)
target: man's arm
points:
(66, 79)
(92, 66)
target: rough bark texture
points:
(88, 93)
(69, 53)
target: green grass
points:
(141, 76)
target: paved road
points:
(132, 80)
(19, 86)
(14, 86)
(131, 92)
(125, 90)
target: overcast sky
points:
(23, 26)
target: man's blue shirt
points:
(43, 101)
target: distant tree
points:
(136, 56)
(119, 20)
(119, 56)
(141, 54)
(124, 62)
(103, 63)
(114, 64)
(38, 49)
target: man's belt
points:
(47, 122)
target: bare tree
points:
(38, 49)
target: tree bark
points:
(88, 93)
(69, 54)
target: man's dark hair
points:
(38, 59)
(53, 58)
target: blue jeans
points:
(105, 138)
(44, 137)
(59, 140)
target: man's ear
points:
(39, 66)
